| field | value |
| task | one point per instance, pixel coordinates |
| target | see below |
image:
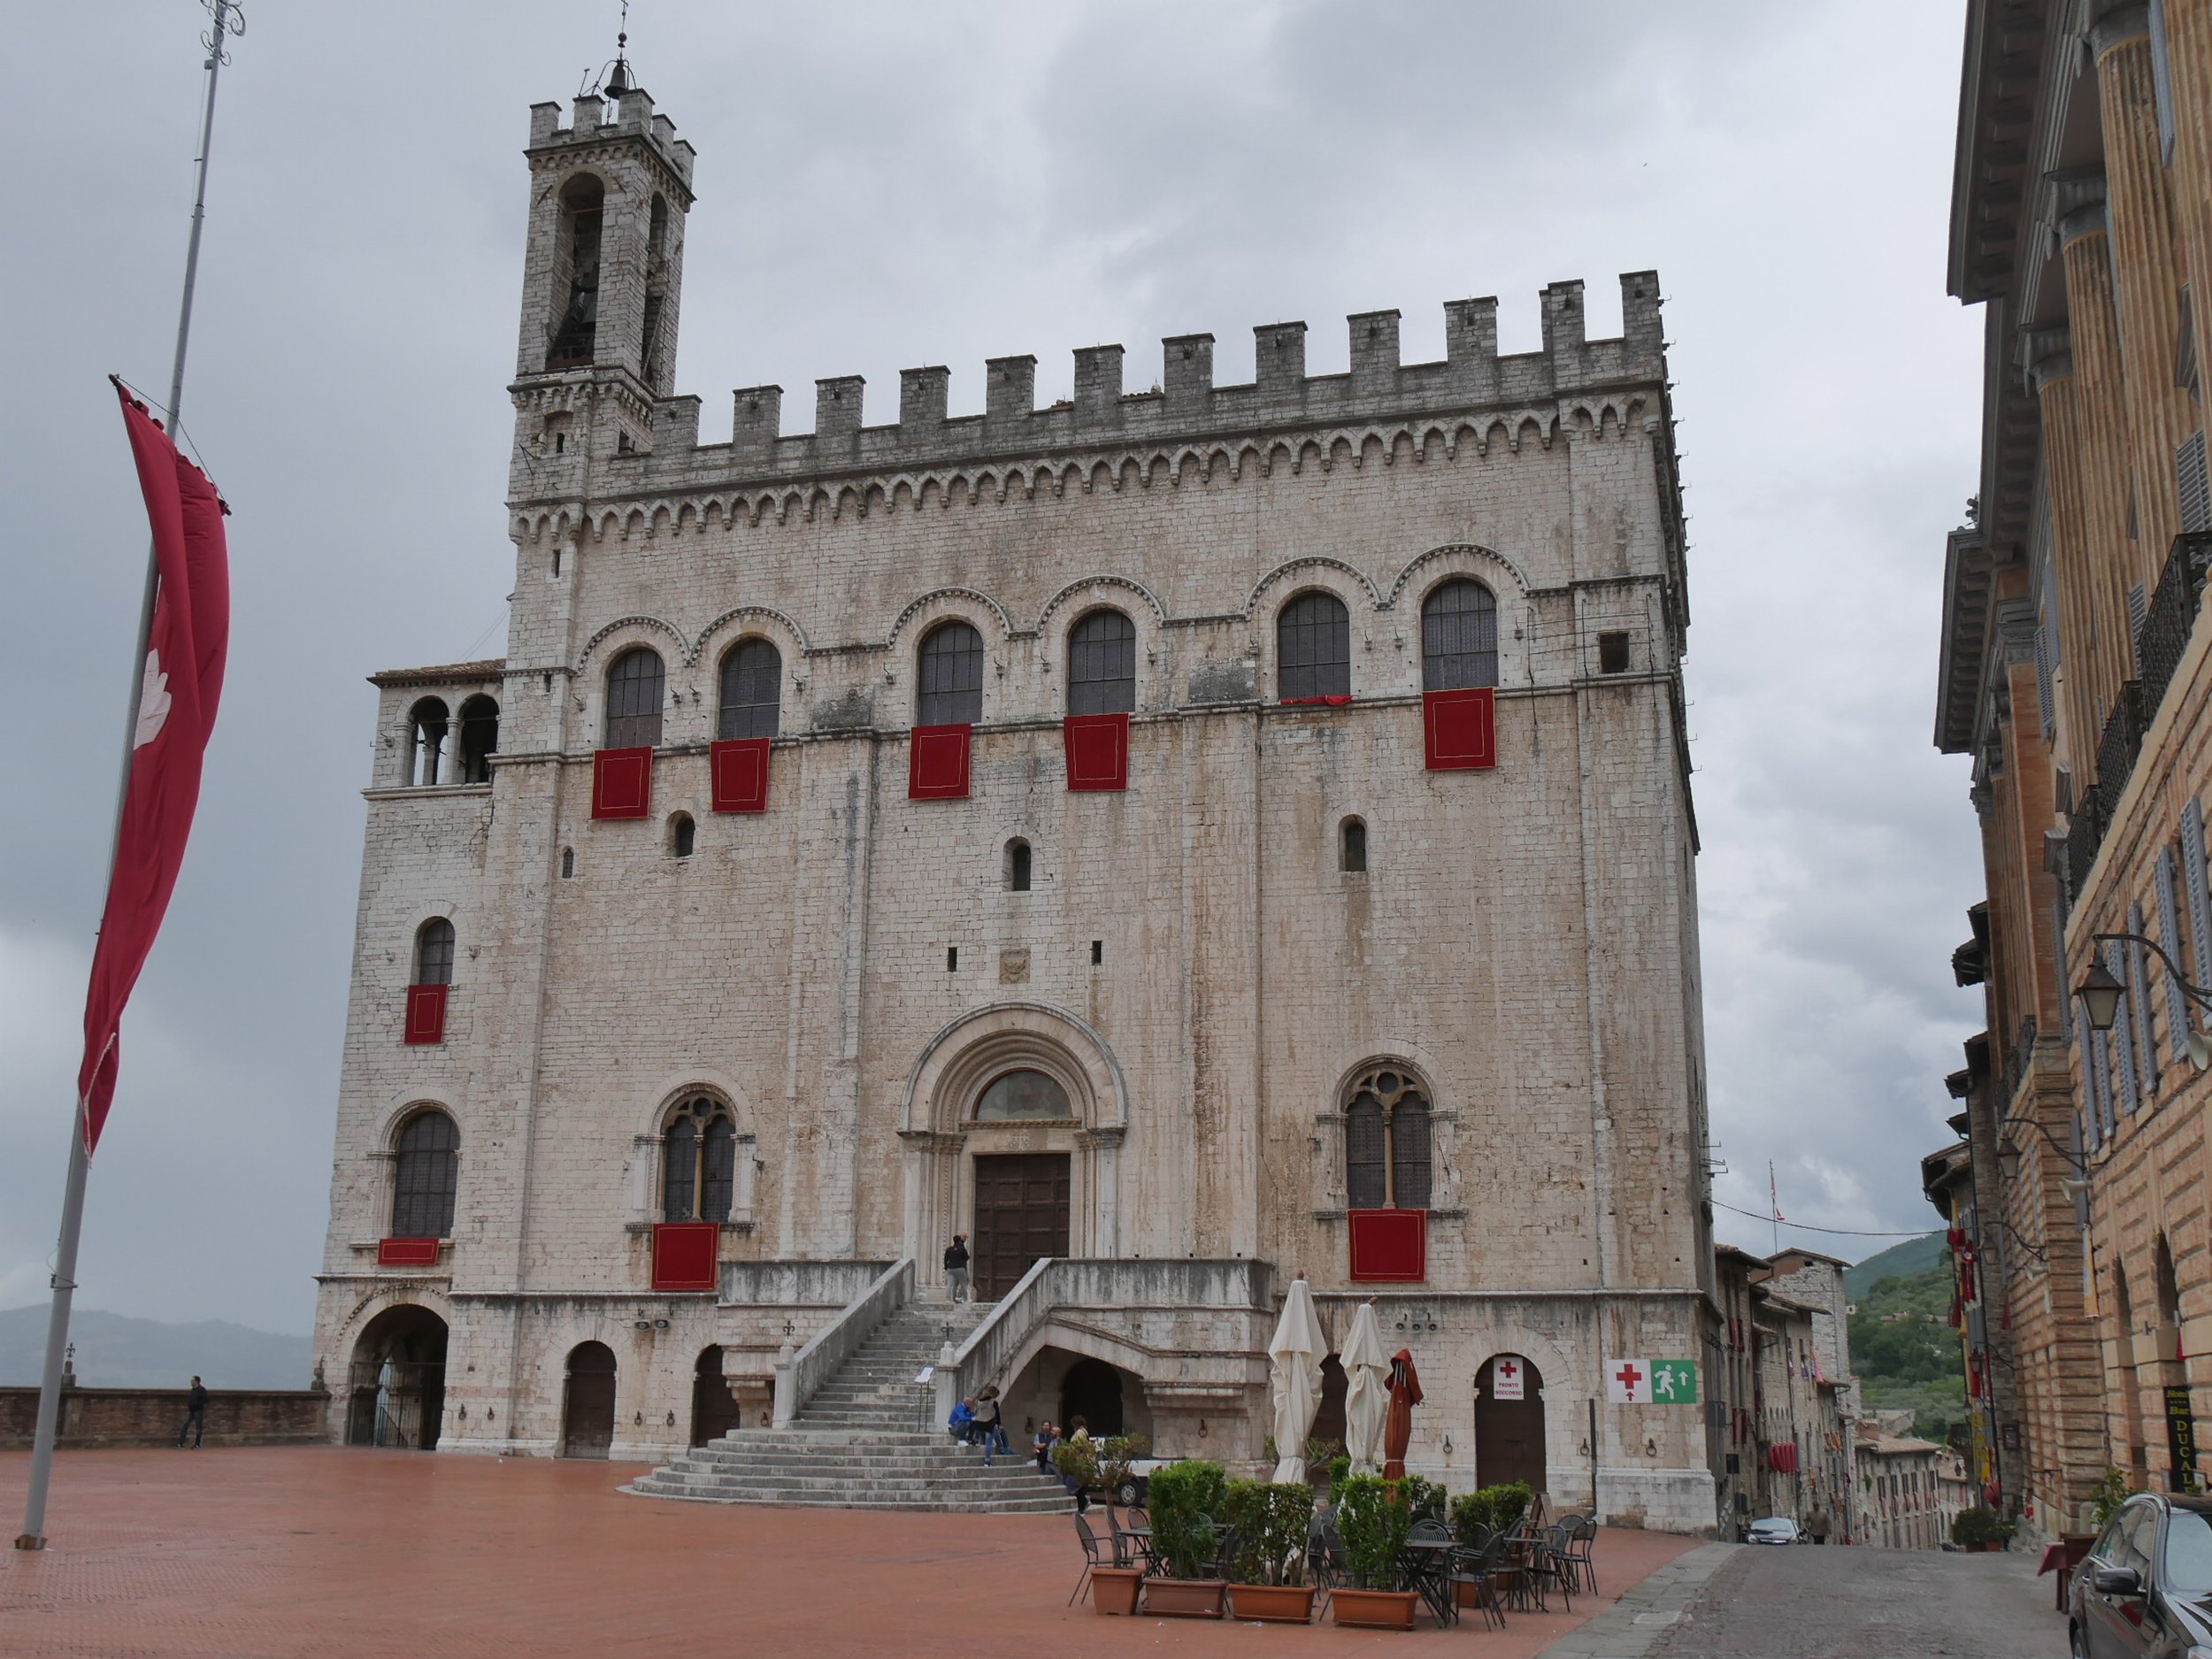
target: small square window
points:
(1612, 653)
(1098, 952)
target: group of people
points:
(978, 1421)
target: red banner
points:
(1459, 729)
(738, 770)
(179, 684)
(684, 1254)
(937, 762)
(622, 782)
(1388, 1246)
(1097, 748)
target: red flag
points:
(179, 685)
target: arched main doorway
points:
(588, 1401)
(1510, 1432)
(396, 1393)
(713, 1409)
(1091, 1390)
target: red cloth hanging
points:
(426, 1014)
(937, 762)
(622, 782)
(684, 1254)
(1459, 729)
(738, 768)
(180, 684)
(1097, 747)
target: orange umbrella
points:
(1405, 1393)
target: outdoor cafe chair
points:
(1582, 1536)
(1479, 1565)
(1089, 1540)
(1324, 1557)
(1132, 1536)
(1550, 1563)
(1424, 1566)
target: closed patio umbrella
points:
(1366, 1391)
(1296, 1374)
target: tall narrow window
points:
(698, 1163)
(576, 273)
(682, 834)
(1313, 640)
(1387, 1142)
(423, 1176)
(1018, 866)
(434, 952)
(752, 685)
(1459, 636)
(655, 289)
(427, 731)
(1353, 853)
(1102, 665)
(480, 739)
(635, 686)
(951, 685)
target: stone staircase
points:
(868, 1440)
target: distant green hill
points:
(115, 1352)
(1913, 1256)
(1902, 1345)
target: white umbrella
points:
(1295, 1348)
(1366, 1391)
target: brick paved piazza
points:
(242, 1554)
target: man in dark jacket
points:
(195, 1414)
(956, 1267)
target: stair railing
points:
(992, 1344)
(798, 1377)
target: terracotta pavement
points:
(267, 1553)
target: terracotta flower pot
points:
(1467, 1594)
(1114, 1589)
(1374, 1609)
(1273, 1603)
(1184, 1598)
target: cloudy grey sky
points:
(890, 184)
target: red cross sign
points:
(1624, 1380)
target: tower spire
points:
(619, 81)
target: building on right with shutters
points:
(2075, 671)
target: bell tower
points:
(603, 273)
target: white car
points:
(1774, 1530)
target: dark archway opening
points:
(1509, 1432)
(1091, 1391)
(713, 1407)
(588, 1401)
(396, 1392)
(1328, 1416)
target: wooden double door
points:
(1021, 1213)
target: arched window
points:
(1102, 665)
(434, 952)
(1017, 860)
(576, 273)
(1313, 649)
(2166, 1283)
(950, 691)
(480, 739)
(1353, 854)
(1387, 1142)
(635, 687)
(1014, 1096)
(423, 1177)
(568, 863)
(1459, 636)
(698, 1161)
(682, 834)
(655, 288)
(426, 731)
(752, 683)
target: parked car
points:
(1776, 1529)
(2141, 1592)
(1135, 1490)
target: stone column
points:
(2051, 372)
(2189, 59)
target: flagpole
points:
(228, 19)
(1774, 1203)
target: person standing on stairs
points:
(956, 1268)
(990, 1422)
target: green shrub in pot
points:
(1186, 1499)
(1373, 1521)
(1272, 1523)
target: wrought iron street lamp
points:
(2099, 991)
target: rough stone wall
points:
(151, 1417)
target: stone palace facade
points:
(1180, 839)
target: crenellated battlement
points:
(1183, 404)
(590, 124)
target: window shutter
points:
(2162, 81)
(2138, 618)
(2194, 484)
(426, 1014)
(937, 762)
(2192, 886)
(622, 782)
(2123, 1035)
(2043, 670)
(1097, 748)
(2139, 1002)
(1459, 729)
(684, 1254)
(739, 767)
(2170, 935)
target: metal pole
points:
(65, 1278)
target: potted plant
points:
(1267, 1578)
(1117, 1455)
(1077, 1464)
(1186, 1497)
(1425, 1500)
(1979, 1530)
(1373, 1521)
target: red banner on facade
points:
(738, 770)
(622, 782)
(1388, 1246)
(180, 683)
(684, 1254)
(1097, 749)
